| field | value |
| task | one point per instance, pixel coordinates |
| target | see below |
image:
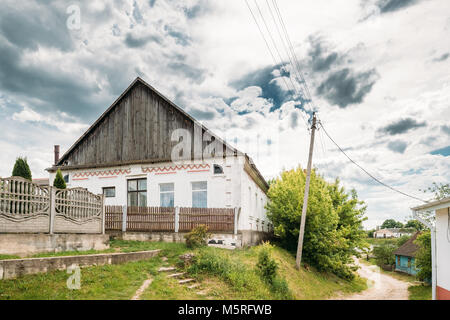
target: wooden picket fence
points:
(113, 218)
(150, 219)
(217, 219)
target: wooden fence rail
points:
(149, 219)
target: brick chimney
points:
(56, 154)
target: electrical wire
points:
(294, 89)
(365, 171)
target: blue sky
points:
(377, 71)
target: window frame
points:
(137, 191)
(200, 190)
(105, 188)
(167, 192)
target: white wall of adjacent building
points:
(443, 248)
(230, 189)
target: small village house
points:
(128, 155)
(440, 244)
(392, 233)
(405, 256)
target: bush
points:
(21, 169)
(197, 237)
(59, 180)
(266, 265)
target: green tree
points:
(423, 256)
(391, 223)
(59, 180)
(440, 190)
(414, 224)
(384, 253)
(333, 228)
(21, 169)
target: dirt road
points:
(381, 286)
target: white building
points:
(392, 233)
(440, 244)
(128, 155)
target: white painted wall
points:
(227, 190)
(443, 249)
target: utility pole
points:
(305, 198)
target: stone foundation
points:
(29, 244)
(13, 268)
(229, 240)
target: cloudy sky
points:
(377, 72)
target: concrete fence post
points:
(124, 218)
(52, 209)
(177, 219)
(103, 214)
(236, 219)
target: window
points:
(137, 193)
(409, 262)
(199, 194)
(218, 169)
(109, 192)
(166, 195)
(66, 178)
(398, 261)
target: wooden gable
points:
(136, 128)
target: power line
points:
(365, 171)
(291, 47)
(270, 50)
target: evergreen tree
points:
(59, 180)
(21, 169)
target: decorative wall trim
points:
(112, 172)
(159, 170)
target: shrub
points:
(197, 237)
(267, 266)
(21, 169)
(59, 180)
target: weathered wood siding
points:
(138, 128)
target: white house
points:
(392, 233)
(146, 151)
(440, 244)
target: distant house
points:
(392, 233)
(128, 155)
(405, 256)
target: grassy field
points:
(420, 292)
(222, 274)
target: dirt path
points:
(381, 286)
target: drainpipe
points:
(433, 252)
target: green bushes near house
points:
(197, 237)
(59, 180)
